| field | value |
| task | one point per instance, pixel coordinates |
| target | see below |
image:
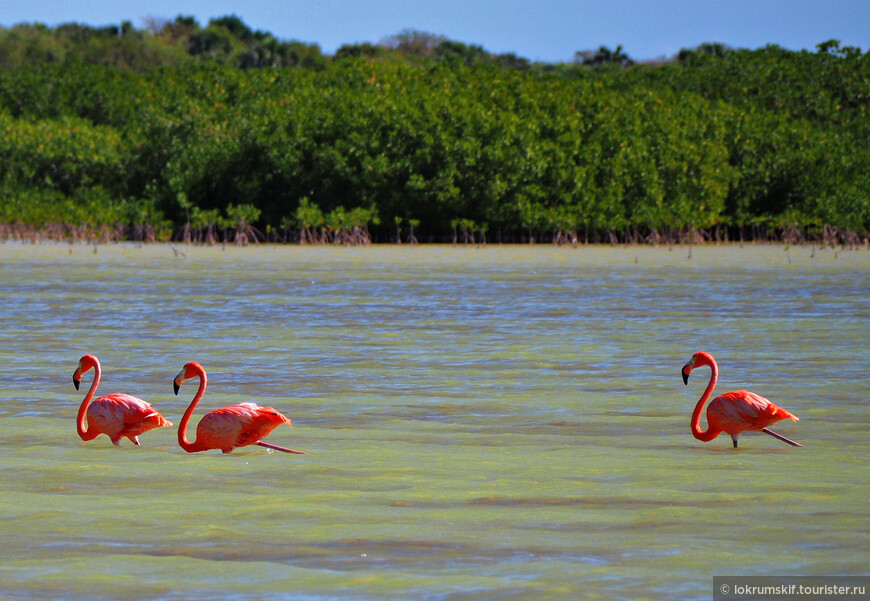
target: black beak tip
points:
(175, 387)
(685, 378)
(76, 383)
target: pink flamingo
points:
(228, 427)
(732, 412)
(115, 415)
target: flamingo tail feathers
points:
(781, 437)
(275, 447)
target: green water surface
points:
(483, 423)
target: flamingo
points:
(228, 427)
(115, 415)
(732, 412)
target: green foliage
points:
(180, 129)
(339, 226)
(603, 57)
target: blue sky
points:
(539, 30)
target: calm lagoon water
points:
(483, 423)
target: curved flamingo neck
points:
(710, 433)
(183, 442)
(84, 434)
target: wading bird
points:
(228, 427)
(115, 415)
(732, 412)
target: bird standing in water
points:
(228, 427)
(115, 415)
(732, 412)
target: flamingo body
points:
(732, 412)
(237, 426)
(229, 427)
(116, 415)
(120, 415)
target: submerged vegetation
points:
(221, 133)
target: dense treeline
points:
(223, 133)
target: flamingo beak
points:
(178, 381)
(76, 381)
(687, 370)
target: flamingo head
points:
(699, 358)
(190, 370)
(86, 363)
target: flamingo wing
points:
(741, 410)
(237, 426)
(121, 414)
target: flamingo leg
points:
(781, 437)
(275, 447)
(734, 439)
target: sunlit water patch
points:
(482, 423)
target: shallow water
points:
(482, 423)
